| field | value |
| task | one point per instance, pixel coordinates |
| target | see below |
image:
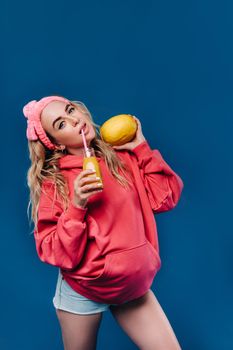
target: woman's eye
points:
(71, 109)
(60, 125)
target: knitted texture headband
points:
(32, 111)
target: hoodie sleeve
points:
(162, 184)
(61, 235)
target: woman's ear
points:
(60, 147)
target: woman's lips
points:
(85, 129)
(82, 128)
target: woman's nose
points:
(74, 121)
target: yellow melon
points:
(119, 129)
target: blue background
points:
(170, 64)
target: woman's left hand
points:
(139, 138)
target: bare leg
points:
(144, 321)
(79, 332)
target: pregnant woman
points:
(102, 240)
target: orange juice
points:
(90, 162)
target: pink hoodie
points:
(109, 251)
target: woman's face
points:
(64, 122)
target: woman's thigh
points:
(144, 321)
(79, 331)
(79, 317)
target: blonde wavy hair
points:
(44, 166)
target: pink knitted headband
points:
(32, 111)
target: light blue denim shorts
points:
(69, 300)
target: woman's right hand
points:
(85, 188)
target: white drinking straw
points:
(84, 141)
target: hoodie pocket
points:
(154, 255)
(126, 265)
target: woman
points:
(103, 240)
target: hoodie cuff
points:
(76, 212)
(142, 149)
